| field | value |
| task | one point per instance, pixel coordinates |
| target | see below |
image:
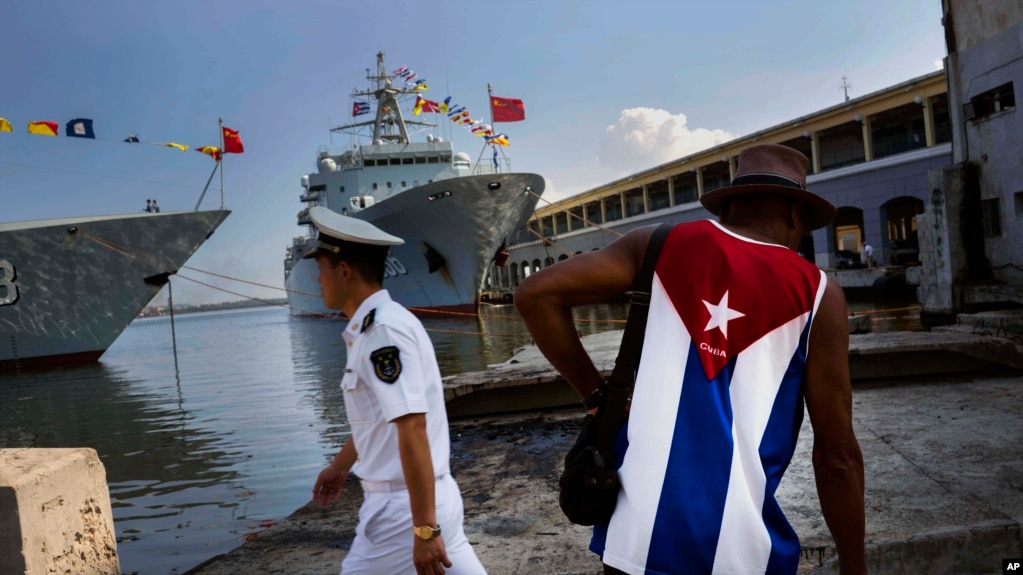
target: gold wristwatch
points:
(426, 532)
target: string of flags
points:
(502, 109)
(83, 128)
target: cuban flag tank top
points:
(716, 410)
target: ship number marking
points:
(393, 267)
(8, 289)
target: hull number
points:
(8, 287)
(393, 267)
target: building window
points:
(991, 102)
(403, 184)
(374, 185)
(388, 185)
(342, 190)
(1019, 203)
(992, 214)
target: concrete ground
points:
(943, 461)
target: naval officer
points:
(411, 516)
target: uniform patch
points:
(386, 364)
(368, 320)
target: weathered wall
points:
(984, 39)
(55, 514)
(976, 21)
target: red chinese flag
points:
(232, 143)
(507, 109)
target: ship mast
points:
(388, 112)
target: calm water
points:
(218, 442)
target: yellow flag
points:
(5, 126)
(181, 147)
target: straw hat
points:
(775, 169)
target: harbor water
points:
(213, 426)
(214, 434)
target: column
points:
(646, 200)
(731, 168)
(671, 191)
(603, 212)
(929, 137)
(699, 181)
(586, 218)
(815, 151)
(868, 140)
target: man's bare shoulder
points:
(633, 244)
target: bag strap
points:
(623, 377)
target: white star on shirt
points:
(720, 315)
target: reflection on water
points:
(208, 448)
(199, 453)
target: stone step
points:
(1006, 324)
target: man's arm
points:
(545, 300)
(417, 466)
(837, 461)
(331, 479)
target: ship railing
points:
(487, 166)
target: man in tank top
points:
(742, 332)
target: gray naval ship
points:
(69, 287)
(453, 216)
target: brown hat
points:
(775, 169)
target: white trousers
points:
(384, 538)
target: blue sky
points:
(609, 88)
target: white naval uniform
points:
(403, 379)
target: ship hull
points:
(69, 287)
(454, 226)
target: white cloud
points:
(645, 137)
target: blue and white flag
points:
(80, 128)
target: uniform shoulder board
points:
(368, 320)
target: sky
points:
(609, 88)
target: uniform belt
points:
(388, 486)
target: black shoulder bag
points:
(589, 484)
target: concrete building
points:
(929, 171)
(972, 229)
(869, 155)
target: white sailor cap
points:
(335, 229)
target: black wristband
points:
(596, 399)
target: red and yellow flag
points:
(43, 128)
(211, 151)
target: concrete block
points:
(55, 514)
(860, 324)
